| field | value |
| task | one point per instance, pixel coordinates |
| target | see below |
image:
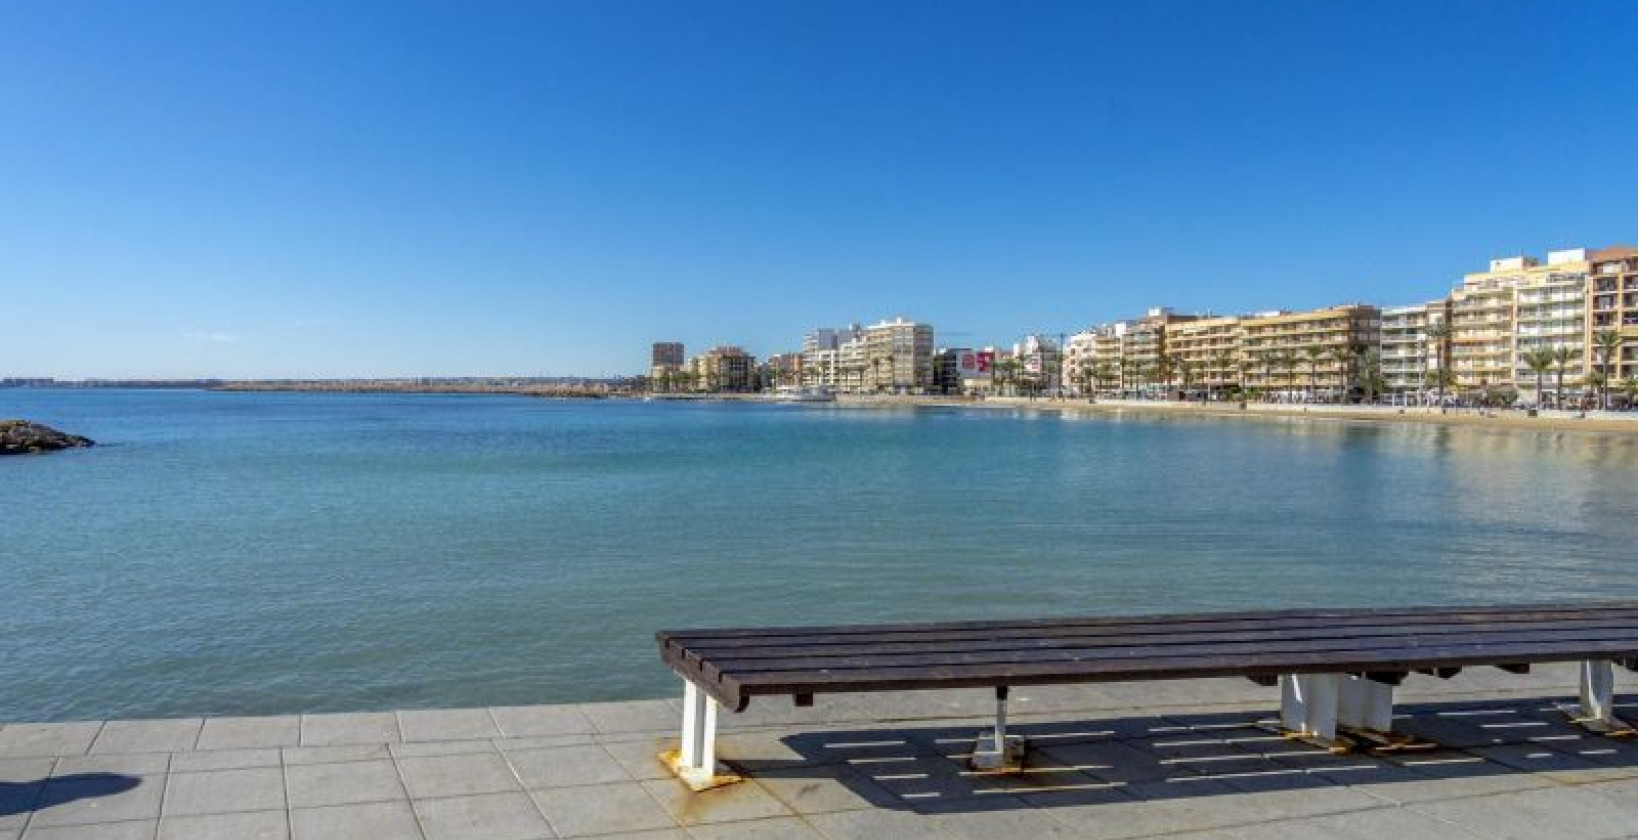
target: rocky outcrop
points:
(20, 436)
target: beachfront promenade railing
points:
(1336, 669)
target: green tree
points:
(1540, 360)
(1606, 343)
(1313, 354)
(1439, 336)
(1563, 355)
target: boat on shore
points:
(803, 394)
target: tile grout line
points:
(398, 770)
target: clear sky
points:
(356, 188)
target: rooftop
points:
(1171, 759)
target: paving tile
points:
(724, 804)
(634, 716)
(333, 755)
(1452, 775)
(566, 767)
(777, 828)
(604, 809)
(33, 740)
(542, 721)
(641, 757)
(141, 764)
(1397, 823)
(225, 791)
(200, 761)
(457, 775)
(234, 733)
(129, 830)
(1561, 813)
(494, 816)
(97, 798)
(17, 802)
(876, 825)
(1001, 816)
(19, 770)
(372, 820)
(1113, 761)
(447, 725)
(143, 736)
(424, 748)
(315, 785)
(822, 789)
(358, 728)
(255, 825)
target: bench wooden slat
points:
(747, 654)
(1391, 659)
(1505, 644)
(1438, 613)
(1128, 646)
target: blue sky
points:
(335, 189)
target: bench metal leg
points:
(1365, 704)
(996, 750)
(1597, 694)
(1308, 706)
(695, 761)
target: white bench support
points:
(996, 750)
(1365, 704)
(1597, 709)
(695, 761)
(1308, 706)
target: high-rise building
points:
(898, 356)
(1409, 354)
(1490, 333)
(1209, 348)
(1316, 350)
(669, 353)
(724, 369)
(1613, 305)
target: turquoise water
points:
(269, 553)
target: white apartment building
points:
(1409, 355)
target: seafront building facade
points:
(1481, 341)
(1613, 305)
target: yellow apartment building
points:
(1351, 328)
(1612, 302)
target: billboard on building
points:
(976, 364)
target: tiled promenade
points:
(1144, 760)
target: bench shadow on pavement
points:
(40, 794)
(923, 768)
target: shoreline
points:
(1552, 421)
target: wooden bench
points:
(1334, 667)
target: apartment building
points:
(1613, 305)
(898, 356)
(1210, 347)
(724, 369)
(1488, 336)
(1335, 336)
(1041, 363)
(1080, 358)
(1409, 355)
(821, 354)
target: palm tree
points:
(1185, 372)
(1271, 363)
(1562, 357)
(1089, 376)
(1103, 371)
(1288, 362)
(1222, 364)
(1370, 379)
(1539, 360)
(1631, 387)
(1314, 353)
(1165, 370)
(1606, 343)
(1439, 334)
(1343, 358)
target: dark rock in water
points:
(20, 436)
